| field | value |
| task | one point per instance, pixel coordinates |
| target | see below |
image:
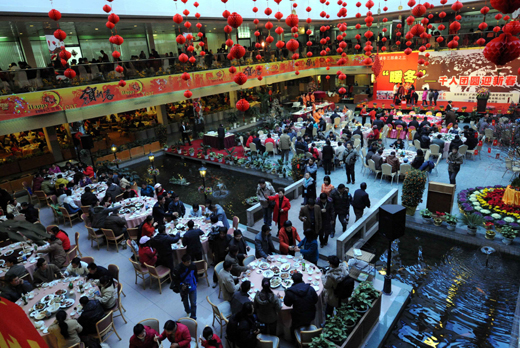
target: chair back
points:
(260, 132)
(269, 147)
(201, 265)
(405, 168)
(41, 195)
(337, 121)
(463, 149)
(114, 271)
(152, 270)
(429, 113)
(386, 169)
(236, 221)
(307, 336)
(216, 311)
(119, 198)
(109, 234)
(54, 199)
(357, 142)
(87, 259)
(219, 267)
(417, 144)
(192, 326)
(252, 147)
(132, 233)
(509, 164)
(85, 209)
(105, 324)
(299, 119)
(372, 165)
(86, 220)
(91, 232)
(364, 152)
(265, 344)
(137, 267)
(356, 136)
(435, 149)
(131, 246)
(151, 323)
(230, 231)
(314, 131)
(76, 238)
(249, 259)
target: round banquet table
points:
(311, 275)
(180, 225)
(447, 138)
(17, 248)
(50, 289)
(135, 210)
(399, 154)
(98, 189)
(66, 175)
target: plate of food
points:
(9, 252)
(264, 265)
(60, 292)
(293, 271)
(275, 269)
(285, 275)
(268, 274)
(39, 306)
(47, 298)
(285, 267)
(287, 283)
(296, 265)
(67, 303)
(275, 282)
(40, 315)
(316, 283)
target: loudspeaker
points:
(392, 220)
(75, 139)
(87, 142)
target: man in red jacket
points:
(144, 337)
(61, 235)
(89, 171)
(177, 333)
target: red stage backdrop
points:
(16, 330)
(397, 68)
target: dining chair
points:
(218, 267)
(118, 307)
(114, 271)
(304, 335)
(133, 233)
(94, 236)
(159, 273)
(202, 269)
(249, 259)
(140, 272)
(386, 170)
(68, 216)
(192, 326)
(221, 313)
(104, 328)
(87, 259)
(151, 323)
(111, 237)
(267, 341)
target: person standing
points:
(454, 160)
(327, 155)
(341, 198)
(285, 145)
(219, 245)
(308, 247)
(221, 135)
(303, 298)
(310, 214)
(267, 306)
(425, 97)
(163, 244)
(360, 201)
(288, 237)
(191, 241)
(263, 191)
(185, 133)
(351, 156)
(327, 218)
(335, 274)
(435, 96)
(240, 297)
(186, 275)
(226, 281)
(430, 97)
(281, 207)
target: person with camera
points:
(267, 306)
(186, 284)
(243, 327)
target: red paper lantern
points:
(408, 51)
(417, 30)
(258, 57)
(368, 34)
(64, 54)
(183, 58)
(69, 73)
(60, 35)
(419, 10)
(196, 4)
(297, 72)
(191, 48)
(229, 42)
(453, 44)
(55, 15)
(192, 60)
(117, 40)
(279, 30)
(269, 25)
(327, 77)
(512, 28)
(187, 25)
(482, 26)
(110, 25)
(113, 18)
(120, 69)
(502, 49)
(484, 10)
(295, 56)
(122, 83)
(342, 90)
(455, 26)
(291, 20)
(292, 45)
(442, 14)
(268, 11)
(107, 8)
(369, 4)
(180, 39)
(116, 54)
(242, 105)
(456, 6)
(185, 76)
(188, 94)
(280, 44)
(269, 39)
(240, 78)
(235, 20)
(237, 51)
(309, 54)
(232, 70)
(278, 15)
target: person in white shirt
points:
(61, 195)
(13, 207)
(69, 204)
(340, 151)
(77, 267)
(195, 211)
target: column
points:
(25, 42)
(162, 114)
(232, 98)
(52, 143)
(149, 37)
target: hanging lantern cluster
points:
(60, 35)
(114, 38)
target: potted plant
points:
(426, 215)
(349, 315)
(413, 189)
(472, 221)
(191, 151)
(229, 155)
(361, 302)
(204, 150)
(220, 157)
(212, 155)
(451, 220)
(321, 342)
(335, 330)
(490, 234)
(499, 224)
(509, 234)
(438, 218)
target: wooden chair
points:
(50, 227)
(42, 197)
(236, 221)
(140, 271)
(26, 188)
(86, 220)
(94, 236)
(202, 269)
(114, 271)
(268, 341)
(304, 335)
(104, 328)
(131, 246)
(76, 238)
(57, 214)
(192, 325)
(159, 273)
(221, 313)
(151, 323)
(132, 233)
(118, 307)
(87, 259)
(111, 237)
(119, 198)
(218, 267)
(72, 253)
(85, 209)
(71, 217)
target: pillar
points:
(25, 42)
(52, 142)
(149, 36)
(232, 98)
(162, 114)
(67, 128)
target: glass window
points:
(10, 51)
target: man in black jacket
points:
(259, 147)
(176, 206)
(95, 271)
(117, 224)
(30, 212)
(98, 214)
(360, 133)
(471, 140)
(341, 199)
(302, 145)
(219, 247)
(88, 198)
(327, 155)
(15, 288)
(185, 133)
(414, 123)
(423, 124)
(303, 298)
(221, 135)
(191, 241)
(360, 201)
(159, 212)
(91, 314)
(425, 139)
(378, 122)
(163, 244)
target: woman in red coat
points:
(281, 207)
(288, 238)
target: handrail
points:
(293, 189)
(365, 227)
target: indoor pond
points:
(457, 300)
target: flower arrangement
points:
(153, 171)
(116, 160)
(483, 93)
(509, 233)
(451, 219)
(413, 188)
(425, 213)
(488, 201)
(208, 190)
(200, 189)
(212, 155)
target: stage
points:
(495, 107)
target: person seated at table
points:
(95, 271)
(177, 333)
(240, 297)
(14, 267)
(69, 204)
(129, 192)
(65, 330)
(267, 306)
(292, 133)
(259, 147)
(69, 167)
(314, 152)
(240, 243)
(423, 124)
(15, 288)
(195, 211)
(438, 141)
(418, 160)
(92, 313)
(147, 254)
(159, 212)
(249, 139)
(84, 181)
(425, 139)
(226, 281)
(378, 123)
(54, 169)
(455, 129)
(87, 170)
(13, 207)
(60, 180)
(45, 273)
(393, 161)
(144, 337)
(117, 224)
(414, 123)
(398, 144)
(108, 292)
(191, 240)
(269, 139)
(471, 140)
(159, 190)
(331, 136)
(77, 268)
(456, 143)
(148, 227)
(177, 206)
(61, 235)
(61, 194)
(162, 242)
(300, 144)
(232, 257)
(288, 237)
(400, 122)
(378, 159)
(88, 198)
(263, 243)
(375, 134)
(146, 190)
(30, 212)
(113, 190)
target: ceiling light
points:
(214, 28)
(70, 33)
(3, 37)
(31, 25)
(135, 26)
(96, 29)
(21, 33)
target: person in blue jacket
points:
(146, 190)
(308, 247)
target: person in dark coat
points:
(98, 214)
(92, 313)
(191, 241)
(113, 190)
(30, 212)
(88, 198)
(240, 243)
(327, 218)
(327, 155)
(259, 147)
(176, 206)
(341, 198)
(15, 288)
(163, 244)
(159, 211)
(221, 135)
(219, 247)
(456, 143)
(425, 139)
(4, 198)
(303, 298)
(242, 328)
(240, 297)
(423, 124)
(414, 123)
(418, 160)
(471, 140)
(451, 117)
(360, 201)
(117, 224)
(96, 272)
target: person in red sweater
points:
(37, 183)
(249, 139)
(89, 171)
(281, 207)
(269, 139)
(61, 235)
(148, 227)
(289, 238)
(372, 115)
(177, 333)
(144, 337)
(210, 339)
(146, 253)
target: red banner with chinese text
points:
(16, 330)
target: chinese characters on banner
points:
(397, 68)
(509, 80)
